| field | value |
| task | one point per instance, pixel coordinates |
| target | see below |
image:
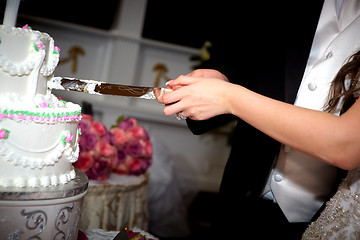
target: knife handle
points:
(164, 90)
(158, 92)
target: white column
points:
(131, 17)
(128, 24)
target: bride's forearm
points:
(333, 139)
(316, 133)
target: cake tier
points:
(38, 140)
(27, 60)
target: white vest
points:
(300, 183)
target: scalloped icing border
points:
(44, 181)
(24, 68)
(60, 149)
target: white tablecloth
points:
(99, 234)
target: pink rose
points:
(148, 148)
(68, 137)
(128, 123)
(133, 148)
(43, 105)
(87, 141)
(108, 137)
(98, 128)
(84, 162)
(56, 49)
(40, 45)
(121, 155)
(4, 133)
(136, 133)
(134, 165)
(113, 159)
(87, 117)
(26, 26)
(104, 148)
(100, 170)
(119, 136)
(146, 163)
(84, 125)
(121, 169)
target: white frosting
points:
(14, 66)
(27, 60)
(41, 141)
(55, 83)
(23, 158)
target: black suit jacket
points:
(268, 56)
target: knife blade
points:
(100, 88)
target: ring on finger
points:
(180, 116)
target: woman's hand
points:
(203, 94)
(199, 95)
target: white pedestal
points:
(42, 213)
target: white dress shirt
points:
(299, 183)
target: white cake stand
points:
(48, 213)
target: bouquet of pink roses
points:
(97, 151)
(134, 149)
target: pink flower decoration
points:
(125, 149)
(119, 136)
(40, 46)
(26, 27)
(136, 133)
(87, 117)
(148, 148)
(100, 170)
(67, 137)
(134, 165)
(84, 162)
(43, 105)
(121, 168)
(4, 134)
(134, 150)
(98, 128)
(87, 140)
(56, 50)
(128, 123)
(104, 148)
(96, 141)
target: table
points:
(120, 201)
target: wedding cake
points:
(38, 131)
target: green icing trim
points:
(40, 116)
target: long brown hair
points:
(340, 88)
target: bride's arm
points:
(330, 138)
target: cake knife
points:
(100, 88)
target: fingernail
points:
(168, 82)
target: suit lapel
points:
(304, 19)
(352, 10)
